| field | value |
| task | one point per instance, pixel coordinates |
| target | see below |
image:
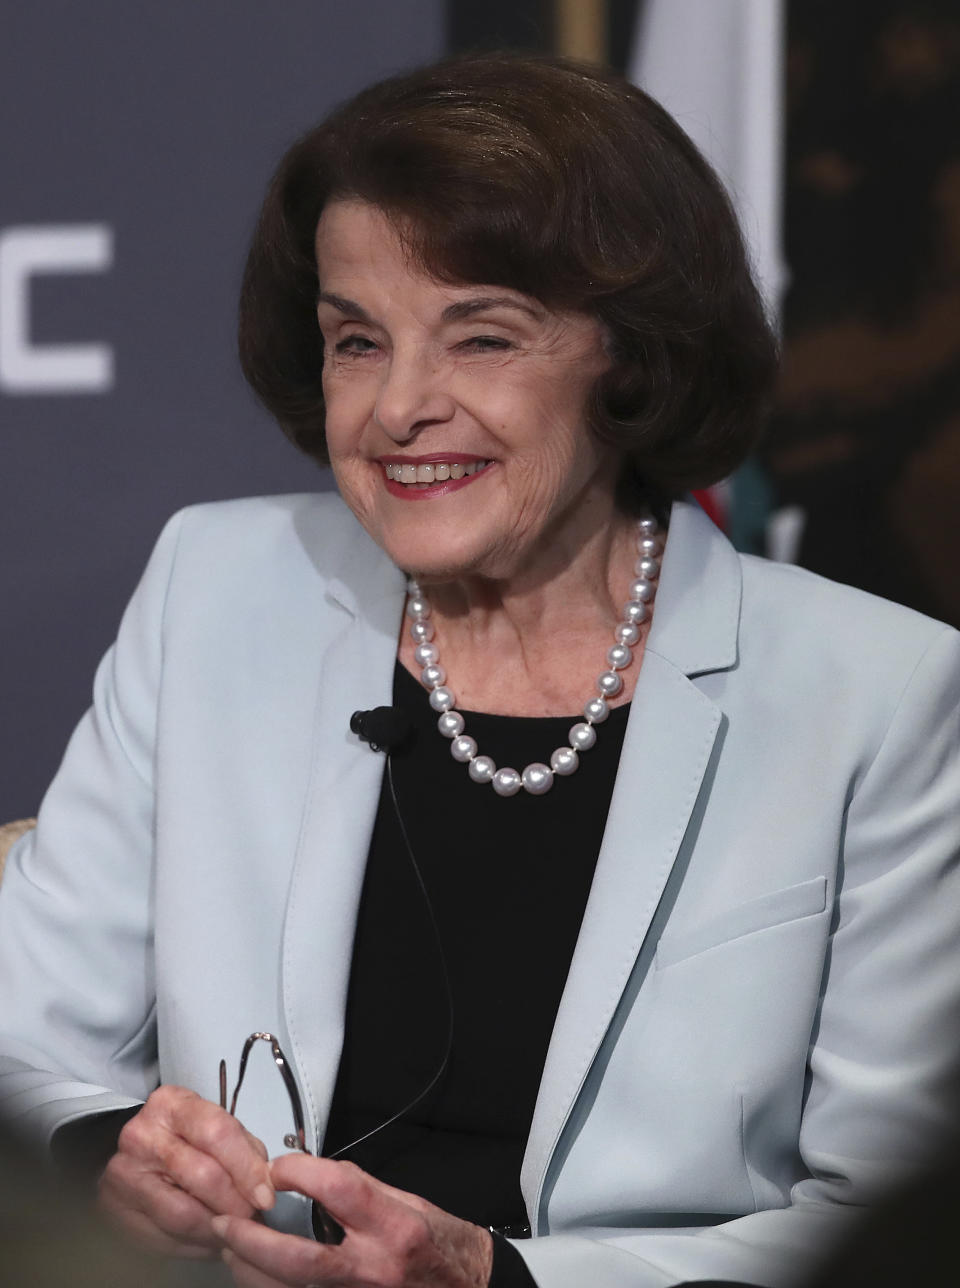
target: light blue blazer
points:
(759, 1014)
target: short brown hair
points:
(560, 181)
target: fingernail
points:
(263, 1196)
(219, 1225)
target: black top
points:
(508, 880)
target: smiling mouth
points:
(419, 477)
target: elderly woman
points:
(642, 940)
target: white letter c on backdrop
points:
(28, 368)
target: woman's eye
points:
(486, 343)
(357, 345)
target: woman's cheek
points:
(348, 413)
(355, 488)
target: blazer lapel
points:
(355, 671)
(667, 749)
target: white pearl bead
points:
(463, 748)
(596, 710)
(564, 761)
(642, 589)
(619, 656)
(647, 526)
(426, 654)
(648, 547)
(626, 633)
(421, 631)
(418, 606)
(450, 724)
(636, 611)
(648, 567)
(582, 737)
(537, 779)
(608, 684)
(433, 675)
(506, 782)
(482, 769)
(441, 699)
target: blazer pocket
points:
(769, 910)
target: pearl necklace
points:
(537, 779)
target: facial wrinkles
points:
(522, 407)
(420, 361)
(415, 356)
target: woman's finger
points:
(279, 1258)
(155, 1149)
(393, 1237)
(213, 1131)
(348, 1193)
(141, 1230)
(147, 1205)
(257, 1145)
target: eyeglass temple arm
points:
(299, 1139)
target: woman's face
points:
(477, 393)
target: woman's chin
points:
(441, 561)
(434, 571)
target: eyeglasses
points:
(296, 1139)
(325, 1227)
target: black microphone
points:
(384, 728)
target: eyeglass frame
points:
(296, 1139)
(326, 1229)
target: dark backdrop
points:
(867, 435)
(151, 127)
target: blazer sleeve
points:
(882, 1069)
(77, 1033)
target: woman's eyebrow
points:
(456, 312)
(482, 303)
(344, 306)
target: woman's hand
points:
(393, 1239)
(181, 1161)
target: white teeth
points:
(432, 473)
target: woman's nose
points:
(411, 398)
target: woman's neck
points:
(535, 643)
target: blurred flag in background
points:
(717, 66)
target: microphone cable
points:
(444, 969)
